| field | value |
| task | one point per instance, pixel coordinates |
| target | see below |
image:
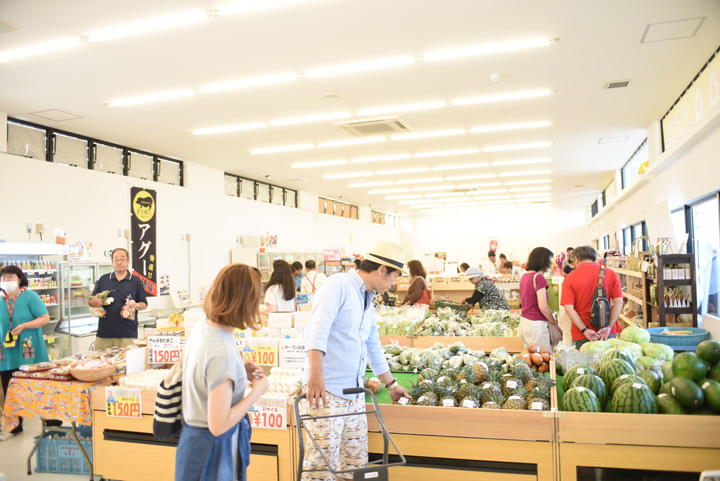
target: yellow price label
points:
(260, 352)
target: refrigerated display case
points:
(266, 259)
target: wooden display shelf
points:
(627, 272)
(487, 344)
(633, 297)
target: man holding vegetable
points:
(126, 296)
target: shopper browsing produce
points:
(280, 289)
(536, 313)
(418, 292)
(578, 291)
(571, 264)
(215, 438)
(313, 279)
(124, 295)
(340, 341)
(22, 316)
(485, 293)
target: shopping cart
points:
(375, 470)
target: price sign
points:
(123, 402)
(292, 353)
(164, 349)
(263, 351)
(269, 413)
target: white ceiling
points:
(595, 43)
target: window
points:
(237, 186)
(606, 242)
(26, 140)
(704, 223)
(70, 150)
(232, 185)
(594, 209)
(633, 232)
(277, 195)
(627, 242)
(141, 166)
(108, 159)
(334, 207)
(678, 221)
(630, 171)
(262, 192)
(170, 171)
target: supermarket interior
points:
(525, 194)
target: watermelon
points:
(689, 365)
(652, 379)
(711, 392)
(582, 400)
(709, 351)
(573, 372)
(687, 392)
(624, 379)
(634, 398)
(613, 369)
(595, 384)
(667, 404)
(618, 353)
(666, 388)
(714, 372)
(668, 374)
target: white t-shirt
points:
(274, 295)
(311, 282)
(488, 267)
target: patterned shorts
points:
(343, 440)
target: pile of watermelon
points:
(689, 384)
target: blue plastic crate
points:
(682, 340)
(63, 455)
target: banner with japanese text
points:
(143, 233)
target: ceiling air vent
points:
(375, 126)
(617, 84)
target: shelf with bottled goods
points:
(634, 286)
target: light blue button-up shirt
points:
(342, 326)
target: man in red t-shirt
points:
(578, 290)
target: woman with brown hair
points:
(280, 289)
(418, 292)
(215, 438)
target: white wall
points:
(92, 206)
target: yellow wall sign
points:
(696, 102)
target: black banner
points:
(143, 215)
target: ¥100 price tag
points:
(123, 402)
(269, 413)
(263, 351)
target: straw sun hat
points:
(388, 254)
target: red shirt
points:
(579, 288)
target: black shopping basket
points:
(375, 470)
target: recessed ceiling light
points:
(486, 49)
(492, 197)
(370, 184)
(246, 83)
(359, 67)
(420, 181)
(38, 49)
(460, 167)
(400, 197)
(341, 143)
(380, 158)
(612, 140)
(497, 202)
(434, 187)
(388, 191)
(319, 163)
(500, 148)
(228, 128)
(403, 171)
(658, 32)
(151, 24)
(311, 118)
(426, 135)
(529, 189)
(415, 202)
(401, 108)
(524, 182)
(500, 128)
(470, 177)
(347, 175)
(454, 199)
(486, 184)
(520, 162)
(174, 94)
(502, 97)
(488, 191)
(286, 148)
(250, 6)
(527, 172)
(443, 153)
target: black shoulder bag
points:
(600, 312)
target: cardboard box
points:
(292, 333)
(301, 319)
(279, 320)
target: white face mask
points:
(9, 286)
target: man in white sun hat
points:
(340, 340)
(485, 292)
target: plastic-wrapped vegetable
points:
(644, 362)
(499, 353)
(595, 346)
(438, 346)
(456, 362)
(458, 348)
(635, 334)
(660, 352)
(393, 349)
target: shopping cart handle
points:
(353, 390)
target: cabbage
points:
(635, 334)
(437, 346)
(395, 366)
(645, 362)
(661, 352)
(634, 349)
(595, 346)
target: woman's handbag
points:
(425, 297)
(168, 404)
(556, 334)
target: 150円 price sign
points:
(123, 402)
(164, 349)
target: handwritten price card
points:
(269, 413)
(164, 349)
(123, 402)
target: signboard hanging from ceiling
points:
(143, 237)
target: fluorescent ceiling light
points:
(287, 148)
(319, 163)
(347, 175)
(340, 143)
(454, 199)
(535, 194)
(250, 5)
(447, 152)
(497, 202)
(489, 191)
(442, 194)
(486, 184)
(399, 197)
(533, 200)
(426, 135)
(415, 202)
(501, 97)
(380, 158)
(492, 197)
(359, 67)
(612, 140)
(535, 204)
(528, 189)
(460, 167)
(420, 181)
(388, 191)
(370, 184)
(41, 48)
(421, 206)
(487, 49)
(254, 82)
(403, 171)
(311, 118)
(520, 162)
(435, 211)
(158, 23)
(500, 128)
(470, 177)
(527, 172)
(433, 187)
(459, 204)
(228, 128)
(174, 94)
(463, 209)
(401, 108)
(501, 148)
(501, 207)
(526, 182)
